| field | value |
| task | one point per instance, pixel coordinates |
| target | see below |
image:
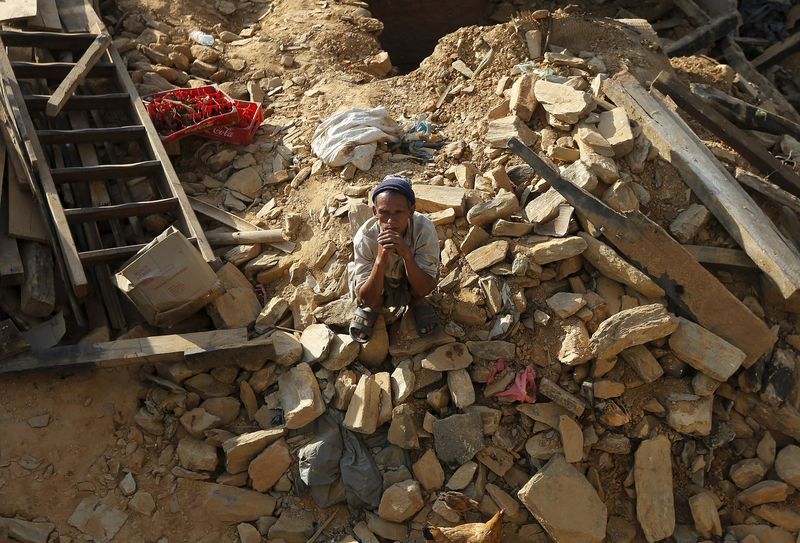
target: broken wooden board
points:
(11, 342)
(77, 74)
(152, 350)
(784, 419)
(738, 61)
(703, 37)
(17, 9)
(24, 218)
(693, 289)
(741, 142)
(11, 270)
(232, 221)
(46, 17)
(711, 182)
(745, 115)
(762, 186)
(75, 15)
(720, 256)
(777, 52)
(251, 353)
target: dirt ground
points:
(90, 438)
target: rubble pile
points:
(643, 422)
(566, 394)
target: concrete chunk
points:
(655, 506)
(555, 494)
(365, 406)
(301, 399)
(503, 129)
(609, 263)
(631, 327)
(705, 351)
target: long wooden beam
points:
(712, 183)
(693, 289)
(154, 349)
(741, 142)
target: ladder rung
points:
(92, 135)
(47, 40)
(119, 211)
(57, 70)
(102, 256)
(38, 102)
(106, 171)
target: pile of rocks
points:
(638, 409)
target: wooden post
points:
(38, 287)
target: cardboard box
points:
(168, 280)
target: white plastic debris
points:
(352, 136)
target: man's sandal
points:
(362, 324)
(425, 317)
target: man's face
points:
(392, 211)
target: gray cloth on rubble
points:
(337, 453)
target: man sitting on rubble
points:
(396, 260)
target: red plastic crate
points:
(250, 116)
(179, 113)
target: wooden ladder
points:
(90, 163)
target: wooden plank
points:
(122, 210)
(245, 354)
(54, 40)
(67, 87)
(38, 293)
(71, 264)
(57, 70)
(232, 221)
(745, 115)
(696, 293)
(24, 218)
(149, 350)
(712, 183)
(114, 100)
(92, 135)
(106, 171)
(17, 9)
(769, 190)
(76, 15)
(11, 342)
(243, 238)
(720, 256)
(113, 254)
(11, 270)
(741, 142)
(777, 52)
(46, 17)
(703, 37)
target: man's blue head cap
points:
(395, 183)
